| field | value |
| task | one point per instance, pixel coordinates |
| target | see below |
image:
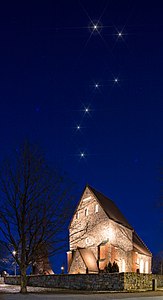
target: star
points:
(78, 127)
(95, 27)
(82, 155)
(115, 80)
(96, 85)
(86, 110)
(120, 35)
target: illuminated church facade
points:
(99, 233)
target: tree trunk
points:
(23, 280)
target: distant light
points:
(86, 110)
(115, 80)
(78, 127)
(14, 253)
(82, 154)
(96, 85)
(95, 27)
(120, 34)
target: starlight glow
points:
(96, 85)
(95, 27)
(82, 154)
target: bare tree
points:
(157, 263)
(34, 207)
(6, 260)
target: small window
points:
(123, 265)
(77, 215)
(146, 267)
(87, 240)
(86, 212)
(96, 208)
(141, 266)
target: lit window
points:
(123, 265)
(141, 266)
(86, 212)
(96, 208)
(87, 241)
(146, 267)
(77, 215)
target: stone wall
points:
(88, 282)
(93, 282)
(133, 281)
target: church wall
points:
(90, 228)
(77, 266)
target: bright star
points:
(86, 110)
(120, 34)
(115, 80)
(78, 127)
(96, 85)
(95, 27)
(82, 155)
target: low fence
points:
(93, 282)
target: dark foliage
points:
(112, 268)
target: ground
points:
(8, 292)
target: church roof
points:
(110, 208)
(139, 245)
(115, 214)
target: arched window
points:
(123, 265)
(141, 266)
(96, 208)
(87, 241)
(77, 215)
(146, 267)
(86, 211)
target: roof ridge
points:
(139, 238)
(110, 208)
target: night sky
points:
(84, 80)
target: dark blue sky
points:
(50, 61)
